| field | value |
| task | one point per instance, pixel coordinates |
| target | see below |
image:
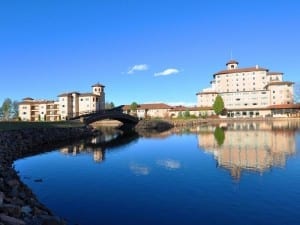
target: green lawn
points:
(14, 125)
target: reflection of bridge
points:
(113, 114)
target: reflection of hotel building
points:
(68, 105)
(77, 149)
(250, 146)
(253, 91)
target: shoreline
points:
(213, 121)
(18, 204)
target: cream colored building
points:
(266, 145)
(152, 110)
(252, 91)
(38, 110)
(68, 105)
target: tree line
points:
(9, 110)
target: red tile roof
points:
(285, 106)
(98, 85)
(274, 73)
(250, 69)
(279, 83)
(232, 62)
(149, 106)
(207, 92)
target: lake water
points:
(242, 173)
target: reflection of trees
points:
(219, 135)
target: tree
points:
(6, 109)
(180, 116)
(15, 109)
(218, 105)
(133, 107)
(186, 114)
(109, 105)
(219, 135)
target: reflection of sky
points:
(169, 164)
(138, 169)
(142, 169)
(137, 186)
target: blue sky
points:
(143, 51)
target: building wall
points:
(24, 112)
(68, 105)
(264, 147)
(248, 88)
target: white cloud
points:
(140, 67)
(167, 72)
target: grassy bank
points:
(15, 125)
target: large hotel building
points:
(68, 105)
(250, 92)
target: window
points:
(63, 106)
(81, 99)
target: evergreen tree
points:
(218, 105)
(219, 135)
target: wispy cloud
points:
(167, 72)
(139, 67)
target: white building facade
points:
(68, 105)
(252, 91)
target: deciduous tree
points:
(6, 109)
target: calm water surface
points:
(245, 173)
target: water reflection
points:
(249, 146)
(98, 145)
(255, 146)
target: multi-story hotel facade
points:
(252, 91)
(68, 105)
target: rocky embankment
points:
(153, 125)
(18, 205)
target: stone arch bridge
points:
(113, 114)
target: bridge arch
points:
(122, 117)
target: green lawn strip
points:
(15, 125)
